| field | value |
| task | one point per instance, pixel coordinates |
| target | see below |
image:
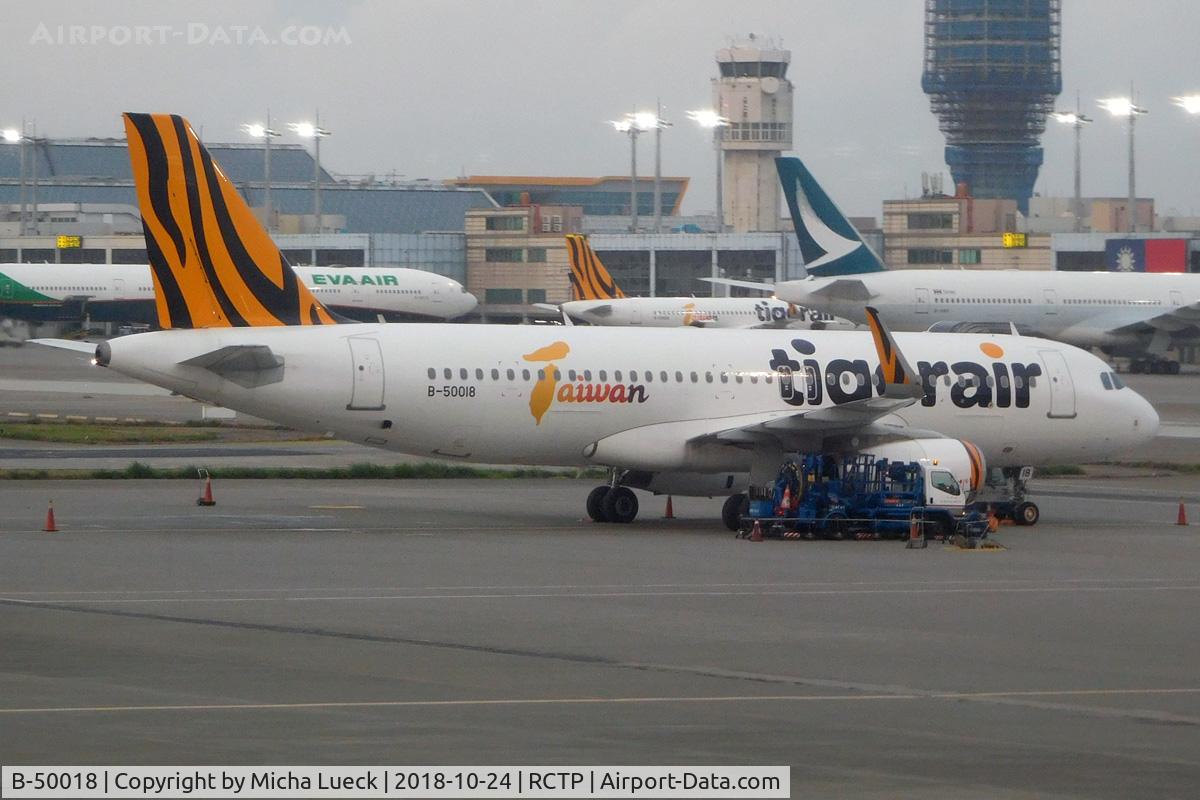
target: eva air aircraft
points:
(119, 293)
(684, 411)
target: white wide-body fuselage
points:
(1087, 309)
(701, 312)
(475, 393)
(129, 290)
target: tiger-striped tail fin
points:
(589, 279)
(899, 379)
(213, 264)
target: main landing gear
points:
(736, 507)
(612, 504)
(1154, 365)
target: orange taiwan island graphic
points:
(544, 394)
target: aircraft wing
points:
(1178, 319)
(793, 429)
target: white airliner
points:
(689, 412)
(125, 293)
(1141, 315)
(597, 300)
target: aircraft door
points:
(1050, 298)
(1062, 388)
(366, 361)
(1176, 298)
(922, 300)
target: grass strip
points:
(420, 471)
(88, 433)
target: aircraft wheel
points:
(620, 505)
(1026, 514)
(736, 506)
(595, 504)
(943, 528)
(837, 527)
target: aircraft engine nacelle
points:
(687, 484)
(961, 458)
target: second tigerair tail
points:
(598, 300)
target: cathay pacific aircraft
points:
(125, 293)
(597, 300)
(1140, 315)
(683, 411)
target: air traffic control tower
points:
(752, 92)
(992, 73)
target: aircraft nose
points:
(1145, 418)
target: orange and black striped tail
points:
(213, 264)
(589, 279)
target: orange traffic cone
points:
(50, 527)
(756, 532)
(1182, 518)
(206, 498)
(785, 504)
(670, 512)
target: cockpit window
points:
(1117, 382)
(1104, 379)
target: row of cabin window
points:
(378, 290)
(738, 377)
(1068, 301)
(1111, 301)
(683, 312)
(602, 375)
(992, 300)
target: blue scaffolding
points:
(992, 71)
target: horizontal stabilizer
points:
(67, 344)
(850, 289)
(760, 287)
(247, 365)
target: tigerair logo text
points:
(804, 381)
(547, 389)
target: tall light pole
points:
(1124, 107)
(313, 130)
(18, 137)
(264, 132)
(708, 118)
(626, 126)
(1077, 120)
(634, 124)
(644, 121)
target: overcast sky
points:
(439, 89)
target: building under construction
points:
(992, 71)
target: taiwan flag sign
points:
(1166, 255)
(1125, 255)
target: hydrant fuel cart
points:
(863, 496)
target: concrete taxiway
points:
(444, 622)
